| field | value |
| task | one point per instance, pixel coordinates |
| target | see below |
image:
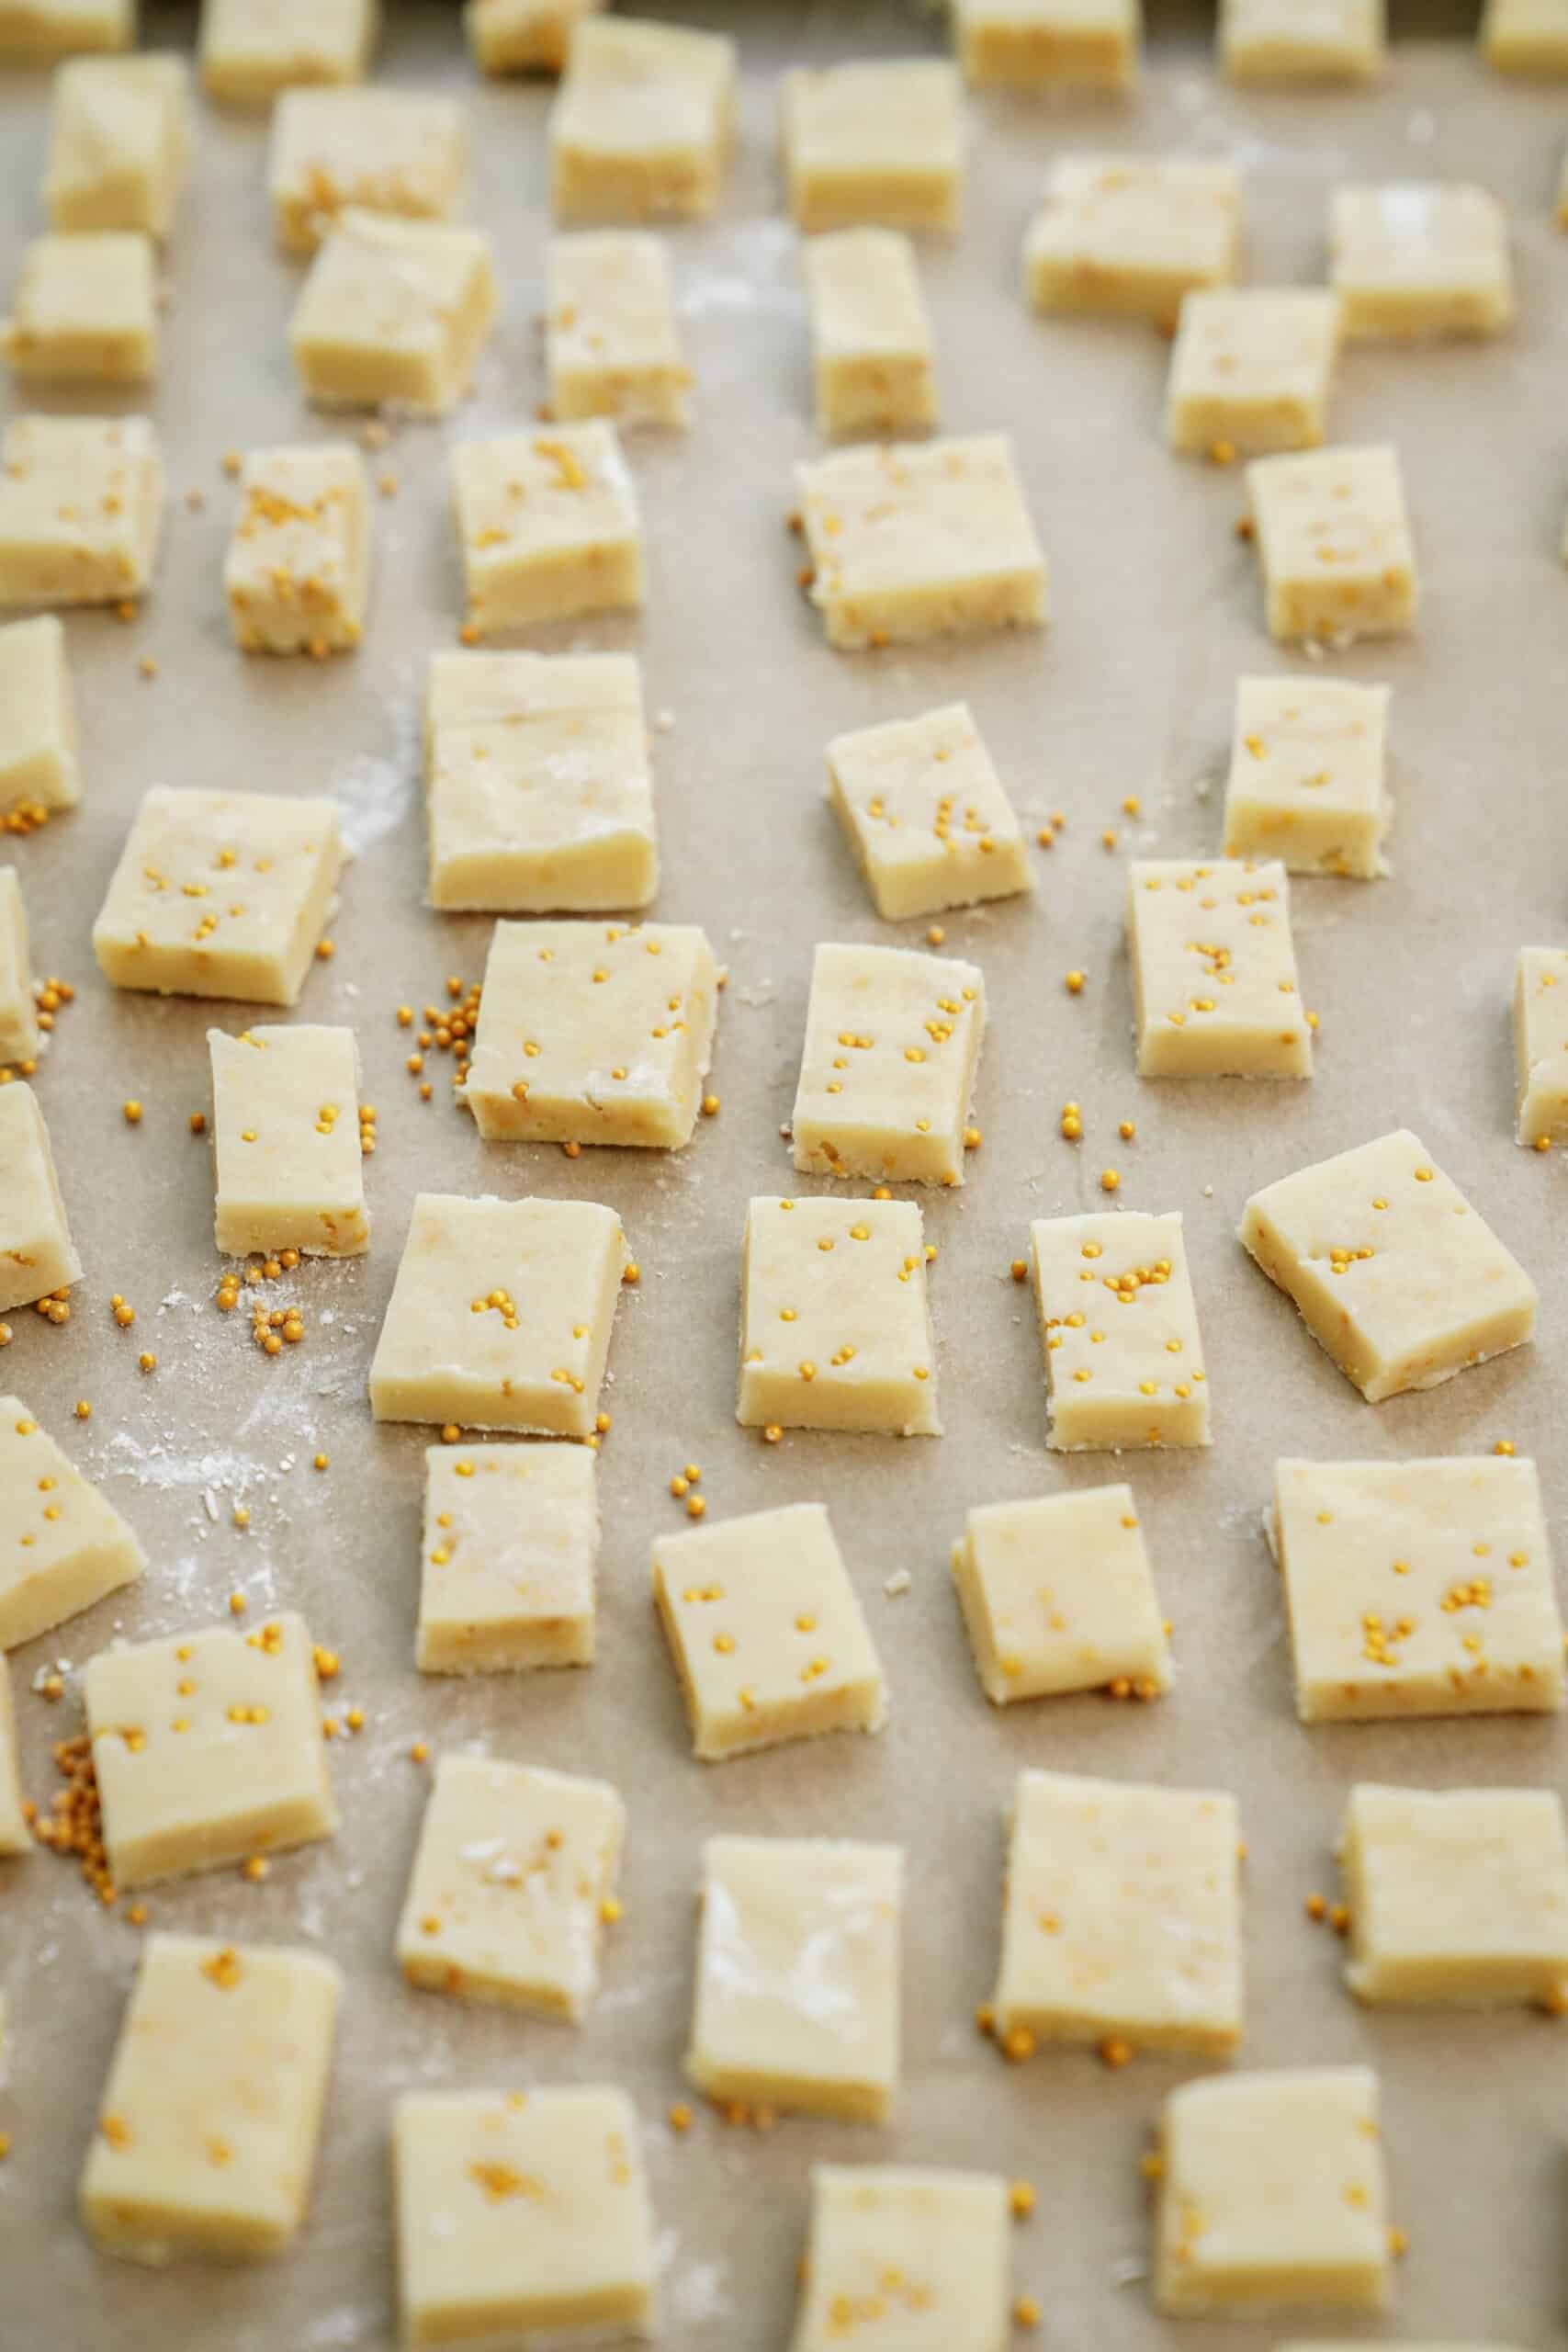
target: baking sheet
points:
(1158, 612)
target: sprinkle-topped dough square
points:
(18, 1012)
(1273, 2192)
(1034, 44)
(1414, 259)
(927, 815)
(1418, 1588)
(220, 893)
(549, 527)
(37, 1253)
(797, 1995)
(252, 49)
(1127, 236)
(399, 152)
(511, 1546)
(81, 508)
(893, 1041)
(512, 1883)
(290, 1169)
(871, 334)
(1540, 1045)
(1525, 35)
(539, 795)
(394, 312)
(914, 539)
(1333, 538)
(1308, 775)
(206, 2134)
(297, 571)
(877, 141)
(500, 1317)
(83, 310)
(1123, 1357)
(1123, 1916)
(1281, 41)
(39, 764)
(16, 1832)
(835, 1325)
(1393, 1272)
(766, 1632)
(925, 2255)
(1214, 986)
(523, 36)
(62, 1546)
(208, 1749)
(1251, 369)
(119, 144)
(611, 343)
(644, 122)
(37, 29)
(1057, 1595)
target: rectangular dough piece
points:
(287, 1145)
(207, 2133)
(1227, 1002)
(1541, 1046)
(500, 1315)
(18, 1013)
(593, 1032)
(296, 574)
(220, 893)
(1418, 1588)
(393, 313)
(911, 540)
(1412, 258)
(835, 1324)
(1050, 44)
(1057, 1595)
(927, 815)
(1128, 236)
(1526, 36)
(612, 344)
(37, 1253)
(1392, 1271)
(1334, 539)
(1252, 369)
(878, 140)
(399, 152)
(893, 1041)
(39, 768)
(1112, 1379)
(252, 49)
(62, 1546)
(1292, 41)
(871, 334)
(1308, 775)
(643, 125)
(1122, 1916)
(510, 1552)
(15, 1831)
(925, 2255)
(81, 509)
(83, 310)
(523, 36)
(120, 142)
(538, 788)
(549, 527)
(797, 1991)
(33, 31)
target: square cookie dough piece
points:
(1415, 259)
(511, 1548)
(32, 31)
(1308, 775)
(394, 313)
(500, 1317)
(1251, 369)
(1123, 1356)
(220, 893)
(81, 509)
(62, 1546)
(83, 310)
(912, 540)
(878, 140)
(399, 152)
(297, 571)
(1418, 1588)
(37, 1253)
(593, 1032)
(1122, 1917)
(1043, 44)
(119, 144)
(797, 1993)
(1525, 35)
(612, 344)
(16, 1832)
(538, 789)
(39, 768)
(1284, 42)
(251, 49)
(926, 814)
(766, 1632)
(1273, 2194)
(643, 125)
(1057, 1595)
(1540, 1045)
(211, 2114)
(18, 1013)
(207, 1747)
(513, 1881)
(1128, 236)
(893, 1041)
(871, 334)
(290, 1169)
(835, 1324)
(1333, 538)
(523, 36)
(1215, 986)
(549, 527)
(521, 2216)
(925, 2255)
(1392, 1271)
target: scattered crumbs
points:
(897, 1584)
(664, 721)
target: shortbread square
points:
(523, 36)
(1036, 44)
(83, 311)
(510, 1549)
(539, 794)
(521, 2214)
(18, 1013)
(16, 1832)
(1540, 1045)
(37, 1253)
(766, 1632)
(208, 1749)
(33, 30)
(1525, 35)
(871, 334)
(593, 1032)
(512, 1882)
(893, 1041)
(877, 142)
(1128, 236)
(797, 1993)
(835, 1325)
(925, 2255)
(1266, 41)
(549, 527)
(62, 1546)
(39, 767)
(1057, 1595)
(208, 2130)
(286, 1127)
(1215, 993)
(1122, 1916)
(297, 571)
(1251, 369)
(1308, 775)
(1392, 1271)
(394, 313)
(81, 509)
(397, 152)
(1114, 1379)
(611, 345)
(1272, 2193)
(911, 540)
(926, 814)
(119, 144)
(1413, 259)
(1418, 1588)
(1334, 539)
(500, 1315)
(643, 125)
(220, 893)
(252, 49)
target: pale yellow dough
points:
(871, 334)
(1057, 1595)
(397, 152)
(252, 49)
(893, 1041)
(1334, 541)
(644, 122)
(835, 1325)
(1127, 236)
(1123, 1357)
(1215, 988)
(37, 1253)
(35, 31)
(1415, 259)
(1252, 369)
(879, 141)
(16, 1836)
(1308, 775)
(523, 36)
(1036, 44)
(81, 509)
(394, 313)
(20, 1031)
(509, 1550)
(611, 343)
(922, 2256)
(1541, 1044)
(290, 1172)
(83, 311)
(1525, 35)
(40, 766)
(549, 527)
(1289, 41)
(62, 1546)
(120, 142)
(297, 571)
(927, 815)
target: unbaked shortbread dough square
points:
(1418, 1588)
(1123, 1357)
(644, 122)
(797, 1992)
(871, 334)
(18, 1013)
(1303, 40)
(252, 49)
(521, 2215)
(34, 30)
(893, 1041)
(1122, 1916)
(208, 1749)
(1392, 1271)
(83, 310)
(394, 313)
(119, 144)
(1036, 44)
(500, 1317)
(39, 761)
(1541, 1044)
(523, 36)
(220, 893)
(1417, 259)
(511, 1547)
(297, 571)
(1057, 1595)
(1525, 35)
(1215, 993)
(835, 1324)
(912, 540)
(1127, 236)
(290, 1172)
(400, 152)
(1334, 539)
(37, 1253)
(612, 344)
(766, 1632)
(1273, 2194)
(208, 2129)
(62, 1546)
(16, 1832)
(549, 527)
(81, 509)
(878, 140)
(922, 2259)
(1308, 775)
(538, 789)
(927, 815)
(1252, 369)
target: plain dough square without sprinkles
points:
(611, 343)
(85, 311)
(1057, 1595)
(37, 1253)
(1308, 775)
(19, 1032)
(1334, 541)
(1252, 369)
(35, 31)
(523, 36)
(1285, 42)
(252, 49)
(81, 509)
(1417, 258)
(835, 1324)
(893, 1041)
(296, 574)
(1215, 988)
(874, 142)
(1128, 236)
(1540, 1045)
(871, 334)
(509, 1558)
(1124, 1358)
(926, 814)
(39, 764)
(929, 2253)
(1050, 44)
(644, 122)
(394, 313)
(549, 527)
(290, 1165)
(1526, 36)
(16, 1829)
(119, 144)
(62, 1546)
